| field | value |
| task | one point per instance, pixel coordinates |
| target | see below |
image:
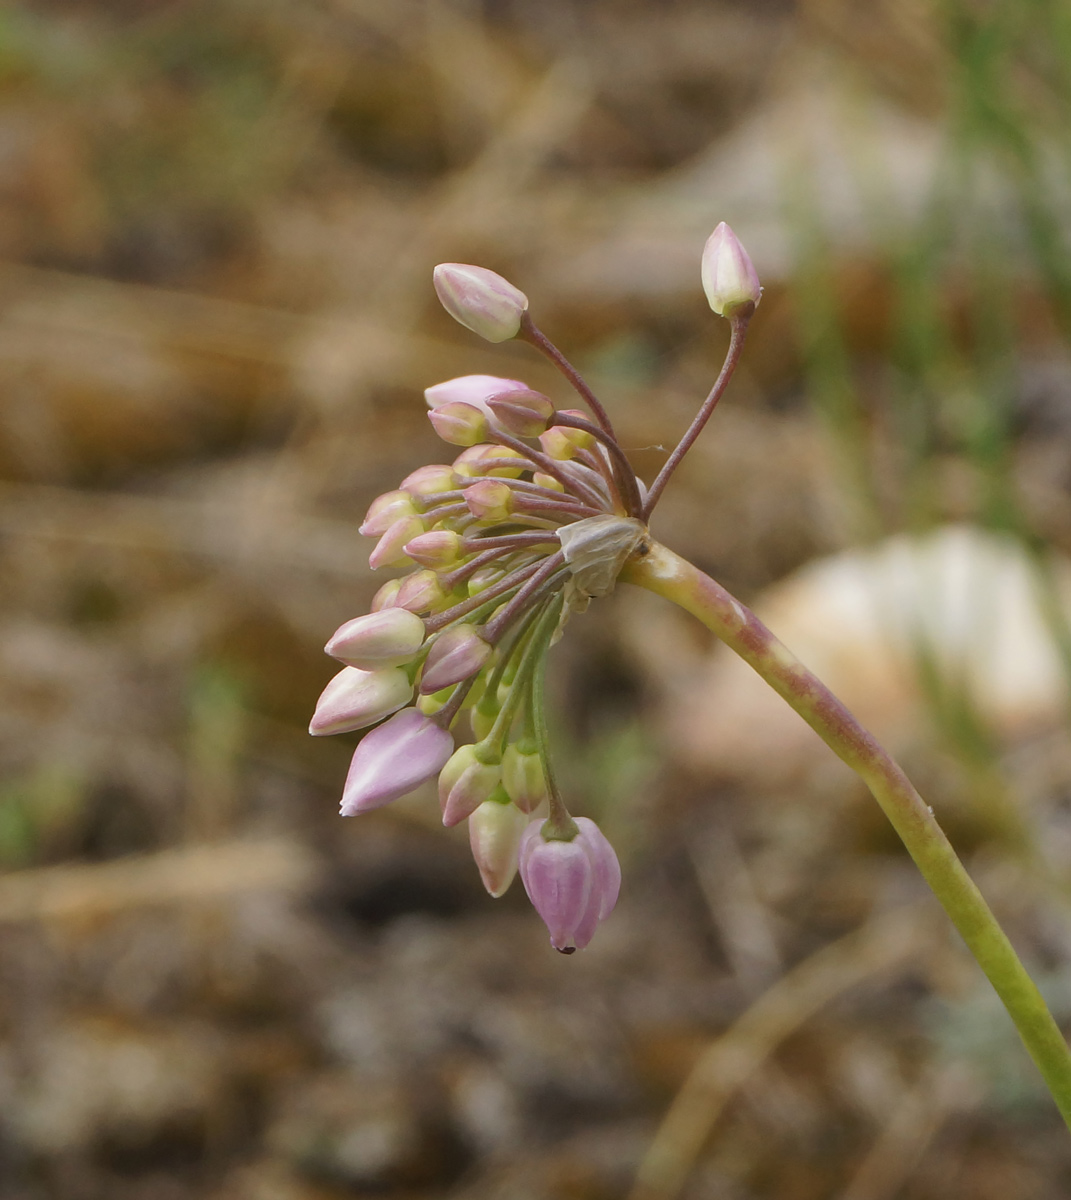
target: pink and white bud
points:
(465, 783)
(524, 413)
(393, 759)
(480, 300)
(421, 592)
(390, 549)
(573, 885)
(489, 499)
(385, 510)
(495, 831)
(379, 639)
(425, 481)
(460, 424)
(355, 699)
(439, 548)
(523, 778)
(386, 596)
(456, 654)
(471, 389)
(473, 461)
(729, 277)
(561, 442)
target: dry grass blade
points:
(880, 946)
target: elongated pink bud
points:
(460, 424)
(573, 885)
(480, 300)
(385, 510)
(355, 699)
(379, 639)
(495, 831)
(435, 477)
(393, 759)
(524, 413)
(456, 654)
(390, 549)
(465, 783)
(729, 277)
(471, 389)
(489, 499)
(420, 592)
(439, 548)
(386, 596)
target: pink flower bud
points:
(436, 477)
(489, 499)
(524, 413)
(465, 783)
(385, 510)
(440, 548)
(379, 639)
(460, 424)
(471, 462)
(523, 778)
(729, 277)
(355, 699)
(562, 442)
(471, 389)
(573, 885)
(480, 300)
(420, 592)
(495, 831)
(393, 759)
(455, 654)
(386, 596)
(390, 549)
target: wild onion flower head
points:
(536, 516)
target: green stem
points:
(665, 573)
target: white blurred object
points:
(864, 621)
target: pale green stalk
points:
(663, 572)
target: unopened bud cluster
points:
(535, 515)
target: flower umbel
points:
(536, 516)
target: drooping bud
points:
(524, 413)
(386, 596)
(379, 639)
(439, 548)
(385, 510)
(456, 654)
(474, 461)
(460, 424)
(420, 592)
(523, 778)
(393, 759)
(355, 699)
(390, 549)
(573, 885)
(424, 481)
(495, 830)
(480, 300)
(465, 783)
(471, 389)
(561, 442)
(729, 277)
(489, 499)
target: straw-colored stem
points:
(663, 572)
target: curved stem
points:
(536, 337)
(624, 475)
(738, 323)
(665, 573)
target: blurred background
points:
(217, 227)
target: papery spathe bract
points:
(393, 759)
(572, 884)
(355, 699)
(480, 300)
(729, 277)
(379, 639)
